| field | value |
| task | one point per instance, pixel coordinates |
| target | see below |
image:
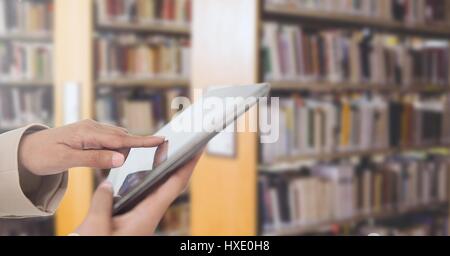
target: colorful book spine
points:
(355, 57)
(25, 61)
(311, 126)
(140, 111)
(327, 192)
(128, 56)
(144, 11)
(26, 17)
(20, 107)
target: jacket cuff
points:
(23, 194)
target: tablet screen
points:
(142, 161)
(134, 179)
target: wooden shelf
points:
(324, 87)
(438, 30)
(149, 83)
(24, 83)
(160, 28)
(38, 37)
(307, 229)
(293, 163)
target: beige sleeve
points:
(23, 194)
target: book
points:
(144, 11)
(358, 57)
(420, 224)
(129, 56)
(26, 17)
(20, 107)
(25, 61)
(327, 192)
(327, 124)
(141, 111)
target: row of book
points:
(144, 11)
(128, 56)
(358, 57)
(424, 224)
(20, 107)
(407, 11)
(340, 191)
(141, 111)
(329, 124)
(25, 61)
(26, 16)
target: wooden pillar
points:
(225, 51)
(73, 63)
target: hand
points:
(144, 218)
(83, 144)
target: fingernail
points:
(161, 137)
(107, 185)
(117, 160)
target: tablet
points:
(186, 134)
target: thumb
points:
(100, 159)
(102, 201)
(99, 219)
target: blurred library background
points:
(364, 88)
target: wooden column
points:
(73, 62)
(225, 51)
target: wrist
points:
(26, 154)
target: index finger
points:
(122, 141)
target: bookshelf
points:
(224, 191)
(24, 86)
(324, 226)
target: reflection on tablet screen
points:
(134, 179)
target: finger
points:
(101, 140)
(161, 154)
(125, 152)
(100, 159)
